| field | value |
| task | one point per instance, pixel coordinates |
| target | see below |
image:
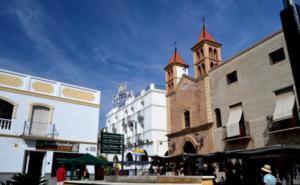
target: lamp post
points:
(135, 146)
(134, 124)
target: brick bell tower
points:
(206, 53)
(174, 70)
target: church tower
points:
(206, 53)
(174, 70)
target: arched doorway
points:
(129, 157)
(188, 162)
(188, 147)
(144, 157)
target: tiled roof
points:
(205, 35)
(176, 58)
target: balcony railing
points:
(5, 124)
(140, 115)
(282, 125)
(244, 132)
(39, 130)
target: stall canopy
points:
(86, 159)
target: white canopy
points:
(233, 126)
(284, 106)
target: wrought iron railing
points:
(5, 124)
(140, 115)
(244, 131)
(280, 125)
(39, 129)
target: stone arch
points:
(191, 142)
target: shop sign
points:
(138, 151)
(57, 146)
(111, 143)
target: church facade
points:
(189, 114)
(246, 102)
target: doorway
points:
(34, 162)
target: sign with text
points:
(111, 143)
(57, 146)
(123, 95)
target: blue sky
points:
(100, 43)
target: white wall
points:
(12, 152)
(155, 122)
(72, 121)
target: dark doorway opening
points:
(35, 162)
(189, 148)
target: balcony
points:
(244, 133)
(114, 130)
(5, 126)
(39, 130)
(140, 139)
(140, 116)
(286, 125)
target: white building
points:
(42, 120)
(143, 122)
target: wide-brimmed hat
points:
(266, 168)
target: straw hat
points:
(266, 168)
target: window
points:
(277, 56)
(6, 110)
(210, 53)
(218, 117)
(199, 70)
(231, 77)
(187, 118)
(215, 54)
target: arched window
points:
(218, 117)
(198, 55)
(211, 65)
(199, 70)
(202, 53)
(203, 67)
(210, 53)
(187, 119)
(215, 54)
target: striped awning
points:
(285, 103)
(233, 126)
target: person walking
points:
(61, 175)
(268, 178)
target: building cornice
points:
(28, 93)
(48, 139)
(190, 130)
